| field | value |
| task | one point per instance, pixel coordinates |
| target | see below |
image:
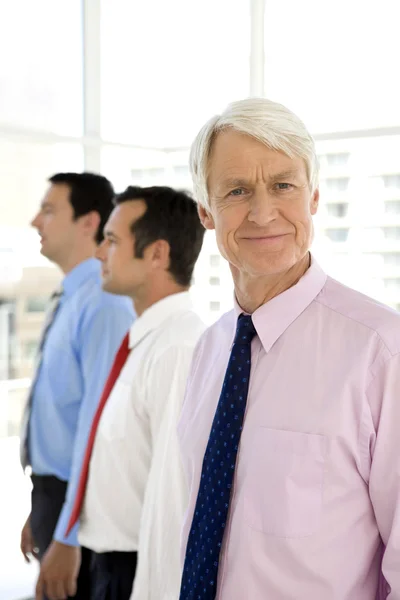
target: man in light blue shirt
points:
(77, 352)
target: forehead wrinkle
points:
(259, 176)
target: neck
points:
(74, 260)
(253, 292)
(142, 300)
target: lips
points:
(265, 237)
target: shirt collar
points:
(156, 314)
(273, 318)
(79, 274)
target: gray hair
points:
(270, 123)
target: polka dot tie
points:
(200, 572)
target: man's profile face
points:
(261, 205)
(122, 272)
(55, 223)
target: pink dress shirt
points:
(315, 506)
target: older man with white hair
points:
(289, 431)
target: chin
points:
(273, 264)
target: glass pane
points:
(358, 223)
(24, 170)
(335, 63)
(26, 279)
(168, 66)
(41, 79)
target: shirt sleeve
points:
(158, 572)
(99, 341)
(384, 482)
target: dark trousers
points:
(112, 575)
(48, 495)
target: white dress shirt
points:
(136, 493)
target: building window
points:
(393, 207)
(36, 304)
(215, 260)
(337, 184)
(214, 281)
(392, 259)
(215, 306)
(392, 233)
(181, 170)
(337, 235)
(337, 160)
(30, 349)
(137, 174)
(392, 284)
(392, 181)
(338, 210)
(140, 174)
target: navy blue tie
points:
(200, 572)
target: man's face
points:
(261, 205)
(55, 223)
(122, 272)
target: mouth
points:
(266, 239)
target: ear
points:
(206, 218)
(314, 202)
(91, 223)
(158, 253)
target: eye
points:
(284, 186)
(237, 192)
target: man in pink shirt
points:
(290, 427)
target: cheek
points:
(227, 224)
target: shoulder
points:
(96, 309)
(180, 335)
(362, 313)
(215, 339)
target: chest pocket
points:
(284, 483)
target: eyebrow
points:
(110, 234)
(238, 182)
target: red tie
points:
(119, 362)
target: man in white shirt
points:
(133, 495)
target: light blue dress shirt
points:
(77, 357)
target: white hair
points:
(270, 123)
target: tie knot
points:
(245, 330)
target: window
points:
(337, 184)
(140, 174)
(182, 171)
(392, 259)
(214, 281)
(392, 284)
(337, 235)
(392, 181)
(215, 260)
(41, 84)
(392, 233)
(30, 349)
(215, 306)
(164, 93)
(137, 174)
(393, 207)
(337, 160)
(339, 65)
(338, 210)
(36, 304)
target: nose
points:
(263, 208)
(35, 222)
(101, 251)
